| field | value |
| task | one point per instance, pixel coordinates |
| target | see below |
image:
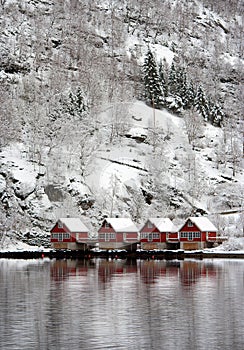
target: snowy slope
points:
(123, 167)
(138, 161)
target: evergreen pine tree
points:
(76, 104)
(172, 79)
(217, 115)
(181, 86)
(190, 95)
(209, 108)
(153, 89)
(163, 78)
(201, 103)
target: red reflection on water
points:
(192, 271)
(64, 269)
(109, 268)
(150, 271)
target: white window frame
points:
(190, 236)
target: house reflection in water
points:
(152, 270)
(188, 272)
(65, 269)
(192, 271)
(109, 268)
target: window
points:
(107, 225)
(155, 235)
(60, 224)
(107, 236)
(66, 235)
(189, 224)
(190, 235)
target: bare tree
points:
(193, 124)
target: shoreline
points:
(154, 255)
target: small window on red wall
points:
(190, 224)
(60, 224)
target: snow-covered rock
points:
(2, 184)
(24, 182)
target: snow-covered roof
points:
(203, 223)
(74, 224)
(122, 224)
(163, 224)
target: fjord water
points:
(119, 304)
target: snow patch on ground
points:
(233, 244)
(13, 245)
(115, 177)
(20, 170)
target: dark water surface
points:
(120, 304)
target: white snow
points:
(232, 245)
(115, 176)
(23, 173)
(163, 224)
(203, 223)
(120, 167)
(136, 48)
(137, 132)
(13, 245)
(163, 53)
(122, 224)
(74, 224)
(233, 60)
(2, 184)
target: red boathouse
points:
(69, 233)
(159, 233)
(118, 233)
(197, 233)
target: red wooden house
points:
(69, 233)
(197, 233)
(118, 233)
(158, 233)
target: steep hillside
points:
(77, 137)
